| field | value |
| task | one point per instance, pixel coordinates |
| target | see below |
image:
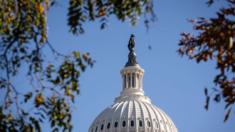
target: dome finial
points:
(132, 55)
(131, 44)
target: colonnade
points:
(132, 80)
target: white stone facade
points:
(132, 111)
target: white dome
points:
(132, 111)
(136, 111)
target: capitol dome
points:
(132, 111)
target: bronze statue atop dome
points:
(132, 55)
(131, 44)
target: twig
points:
(44, 85)
(54, 51)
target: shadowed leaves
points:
(23, 34)
(81, 11)
(215, 41)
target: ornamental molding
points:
(132, 90)
(132, 69)
(132, 97)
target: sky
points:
(174, 84)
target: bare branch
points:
(40, 81)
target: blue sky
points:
(174, 84)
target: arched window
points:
(129, 81)
(108, 126)
(91, 130)
(156, 126)
(116, 124)
(148, 123)
(96, 129)
(124, 124)
(140, 123)
(133, 80)
(102, 127)
(124, 82)
(132, 123)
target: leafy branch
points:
(215, 41)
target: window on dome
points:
(108, 126)
(140, 123)
(91, 130)
(124, 124)
(124, 82)
(156, 126)
(132, 123)
(116, 124)
(96, 129)
(132, 80)
(129, 81)
(102, 127)
(148, 123)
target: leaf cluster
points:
(23, 35)
(81, 11)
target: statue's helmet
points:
(132, 35)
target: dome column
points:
(140, 81)
(127, 78)
(135, 80)
(123, 81)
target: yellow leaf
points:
(5, 13)
(47, 3)
(230, 42)
(40, 8)
(72, 97)
(227, 115)
(83, 17)
(100, 14)
(39, 99)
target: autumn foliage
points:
(215, 41)
(23, 36)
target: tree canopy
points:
(23, 34)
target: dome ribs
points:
(170, 122)
(129, 114)
(151, 117)
(156, 115)
(122, 115)
(143, 116)
(97, 120)
(134, 110)
(114, 115)
(162, 122)
(106, 119)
